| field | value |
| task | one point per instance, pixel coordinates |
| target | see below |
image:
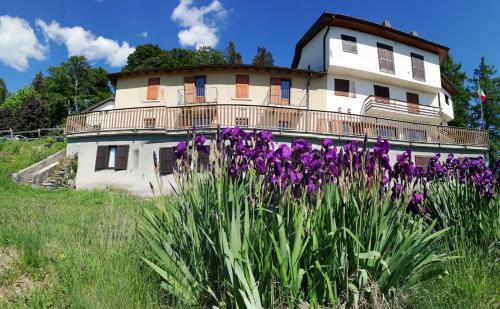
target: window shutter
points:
(418, 68)
(203, 159)
(422, 161)
(122, 157)
(275, 90)
(166, 161)
(101, 158)
(153, 86)
(385, 58)
(242, 84)
(349, 44)
(189, 90)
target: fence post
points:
(11, 133)
(39, 132)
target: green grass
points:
(74, 248)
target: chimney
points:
(414, 33)
(387, 24)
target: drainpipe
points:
(307, 96)
(324, 48)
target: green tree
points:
(263, 57)
(491, 108)
(38, 82)
(231, 55)
(3, 91)
(147, 56)
(73, 86)
(32, 115)
(461, 107)
(6, 118)
(208, 55)
(16, 99)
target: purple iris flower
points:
(180, 149)
(199, 141)
(326, 143)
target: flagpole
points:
(480, 102)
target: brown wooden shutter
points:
(242, 84)
(153, 87)
(422, 161)
(341, 87)
(101, 159)
(275, 90)
(122, 157)
(385, 58)
(167, 160)
(418, 68)
(189, 89)
(413, 101)
(349, 44)
(203, 159)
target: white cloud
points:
(143, 34)
(18, 43)
(79, 41)
(199, 23)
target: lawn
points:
(66, 248)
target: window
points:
(200, 86)
(341, 87)
(280, 91)
(241, 122)
(283, 124)
(422, 161)
(415, 135)
(242, 84)
(349, 44)
(166, 160)
(387, 132)
(153, 87)
(381, 93)
(112, 157)
(385, 58)
(413, 101)
(149, 123)
(446, 100)
(417, 67)
(285, 89)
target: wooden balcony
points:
(288, 119)
(392, 108)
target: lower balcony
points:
(401, 110)
(271, 118)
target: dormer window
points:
(417, 67)
(385, 58)
(349, 44)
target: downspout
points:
(324, 48)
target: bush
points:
(32, 115)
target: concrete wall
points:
(26, 175)
(140, 170)
(132, 91)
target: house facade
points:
(349, 78)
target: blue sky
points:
(35, 34)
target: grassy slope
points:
(78, 249)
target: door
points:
(381, 94)
(199, 83)
(412, 99)
(275, 90)
(189, 90)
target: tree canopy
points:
(3, 91)
(152, 56)
(454, 73)
(263, 57)
(231, 55)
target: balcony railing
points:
(393, 105)
(198, 95)
(297, 98)
(271, 118)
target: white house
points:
(349, 78)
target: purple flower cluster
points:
(302, 168)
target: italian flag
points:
(480, 93)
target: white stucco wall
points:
(366, 60)
(104, 107)
(312, 53)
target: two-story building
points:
(349, 78)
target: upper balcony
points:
(286, 119)
(397, 109)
